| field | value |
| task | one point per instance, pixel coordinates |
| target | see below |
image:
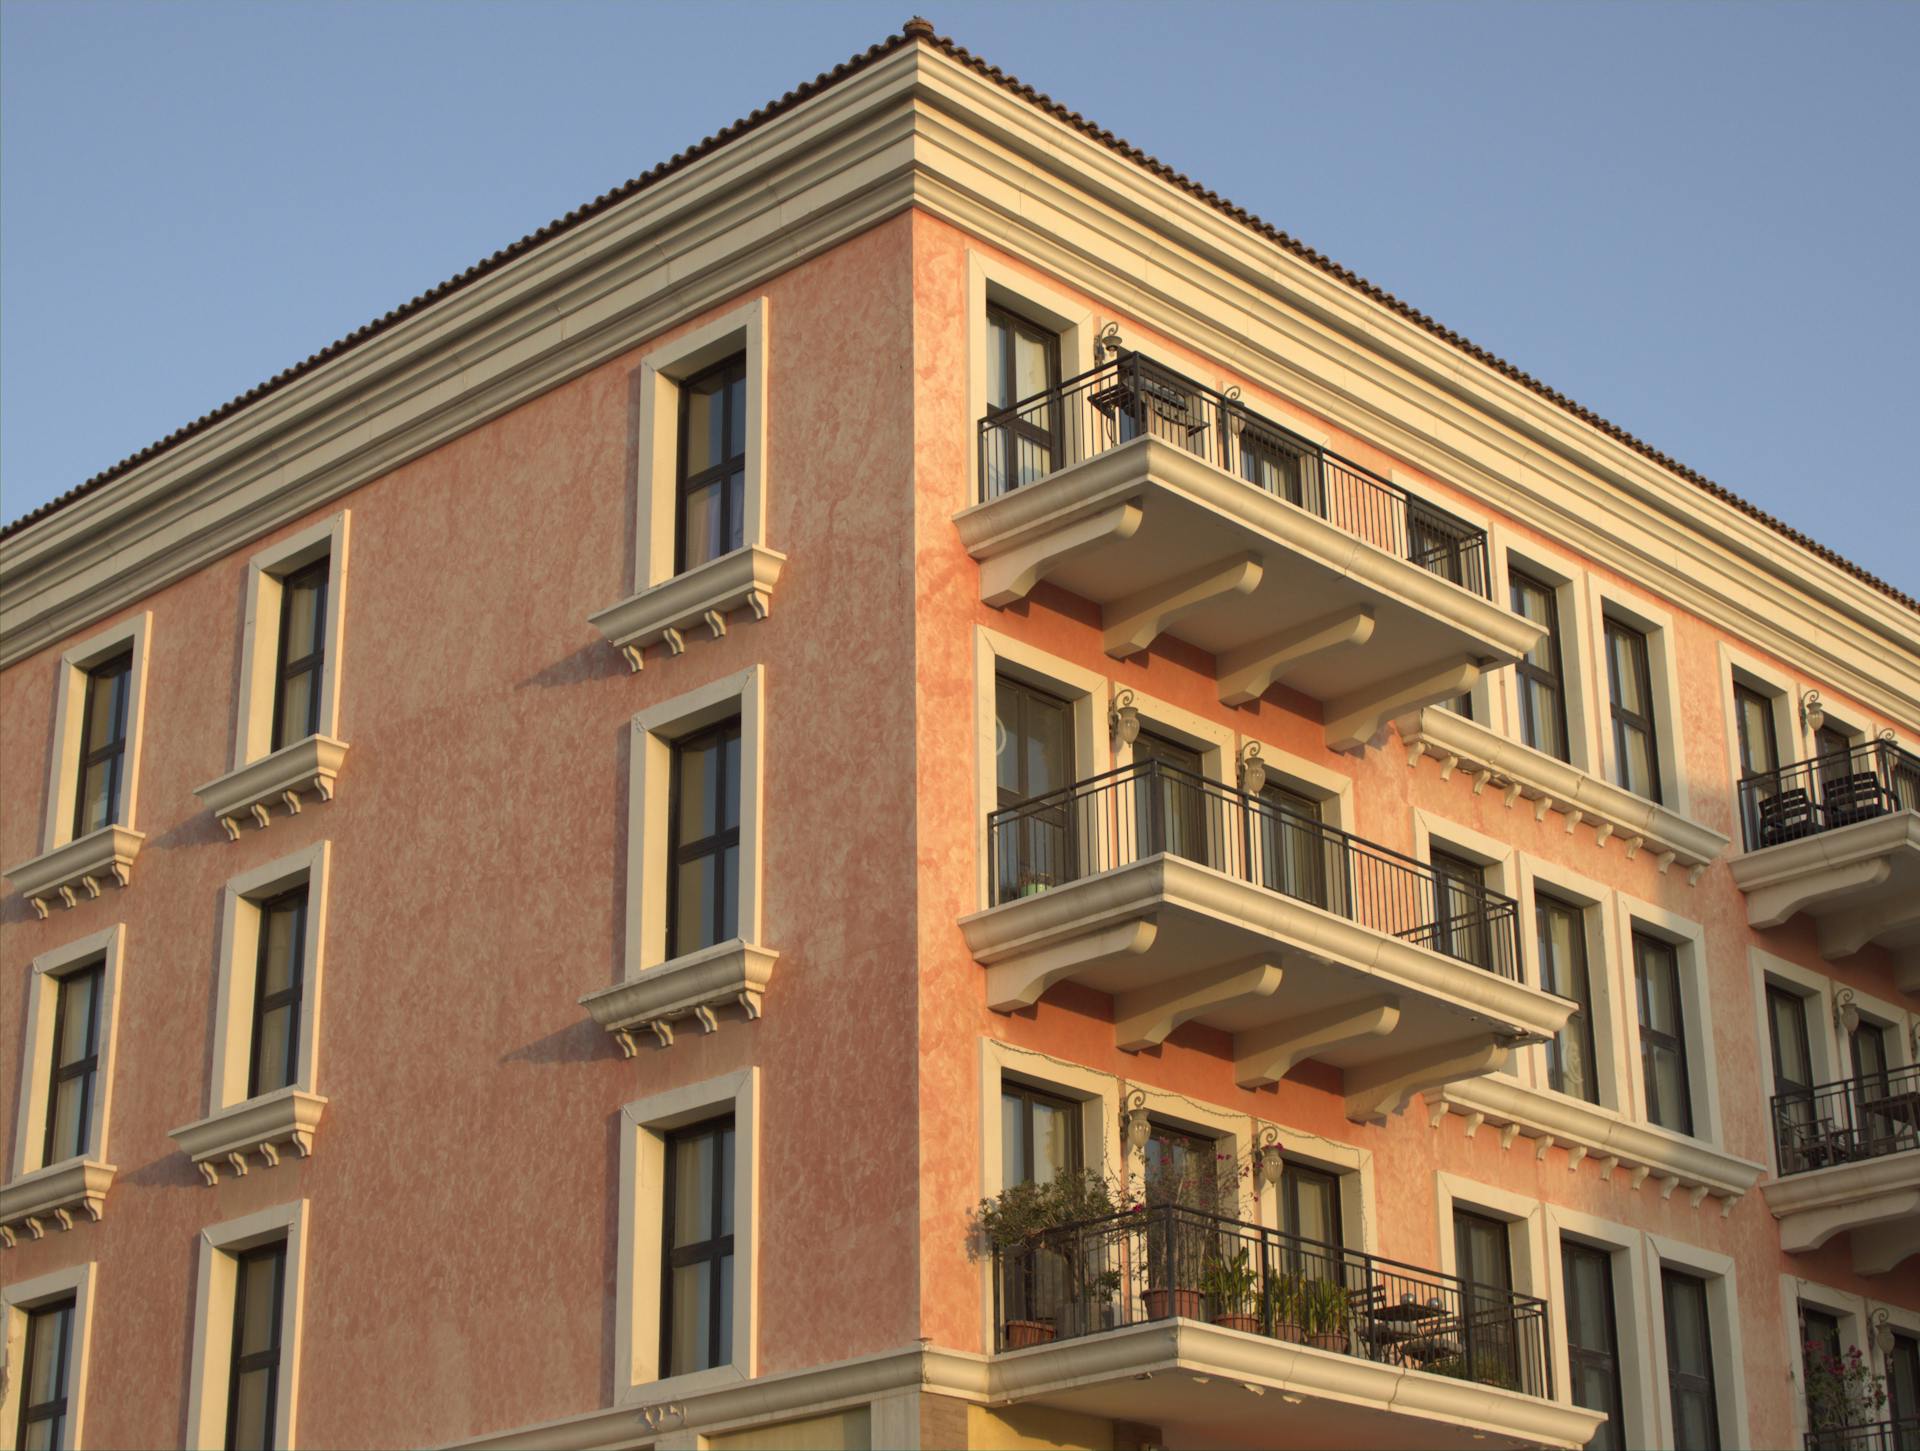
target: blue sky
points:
(1699, 220)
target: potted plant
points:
(1283, 1296)
(1325, 1311)
(1022, 1226)
(1842, 1390)
(1228, 1286)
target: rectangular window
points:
(1635, 744)
(1460, 892)
(1759, 746)
(703, 899)
(1483, 1258)
(1537, 675)
(76, 1063)
(1292, 851)
(1820, 1362)
(1793, 1115)
(1183, 1169)
(1593, 1340)
(274, 1059)
(1171, 798)
(1033, 759)
(696, 1291)
(103, 745)
(1282, 466)
(1696, 1410)
(302, 655)
(712, 499)
(1663, 1039)
(1903, 1391)
(253, 1380)
(1039, 1136)
(1023, 363)
(1562, 935)
(46, 1370)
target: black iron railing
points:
(1135, 397)
(1829, 791)
(1167, 1260)
(1859, 1118)
(1131, 813)
(1896, 1435)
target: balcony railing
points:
(1134, 397)
(1842, 1123)
(1129, 814)
(1901, 1434)
(1168, 1260)
(1830, 791)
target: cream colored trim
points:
(260, 643)
(1654, 621)
(54, 1197)
(264, 1126)
(1569, 580)
(644, 1124)
(701, 598)
(78, 871)
(1331, 789)
(1631, 1312)
(108, 946)
(220, 1247)
(133, 636)
(16, 1299)
(1723, 1310)
(990, 280)
(653, 732)
(1526, 1227)
(699, 985)
(1610, 1002)
(1703, 1055)
(252, 791)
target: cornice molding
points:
(224, 1138)
(77, 870)
(54, 1194)
(700, 985)
(252, 791)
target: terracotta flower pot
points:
(1329, 1342)
(1022, 1333)
(1248, 1323)
(1289, 1331)
(1162, 1303)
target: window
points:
(1903, 1391)
(703, 902)
(712, 477)
(103, 745)
(1759, 745)
(46, 1373)
(1292, 849)
(1663, 1043)
(302, 654)
(1635, 746)
(273, 1059)
(1183, 1169)
(1282, 466)
(1792, 1076)
(1537, 676)
(1483, 1259)
(1461, 903)
(1171, 797)
(1696, 1412)
(1039, 1135)
(1593, 1339)
(1023, 362)
(253, 1375)
(1033, 751)
(696, 1292)
(1310, 1203)
(1562, 934)
(75, 1062)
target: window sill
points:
(699, 985)
(309, 765)
(55, 1193)
(681, 1387)
(259, 1126)
(1584, 1130)
(76, 867)
(1553, 785)
(704, 595)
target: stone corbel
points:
(1009, 577)
(1246, 673)
(1381, 1089)
(1266, 1055)
(1018, 982)
(1354, 720)
(1132, 624)
(1145, 1016)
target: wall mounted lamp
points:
(1812, 715)
(1107, 344)
(1268, 1157)
(1139, 1126)
(1123, 720)
(1845, 1014)
(1253, 771)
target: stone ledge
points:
(699, 985)
(53, 1193)
(259, 1126)
(254, 789)
(76, 870)
(703, 595)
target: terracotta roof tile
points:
(920, 30)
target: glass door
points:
(1023, 367)
(1034, 844)
(1792, 1079)
(1483, 1259)
(1292, 854)
(1172, 798)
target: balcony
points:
(1169, 1316)
(1849, 1157)
(1188, 901)
(1838, 838)
(1901, 1434)
(1181, 511)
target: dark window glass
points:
(1483, 1258)
(303, 651)
(1759, 746)
(1460, 892)
(1033, 759)
(1282, 466)
(44, 1371)
(1460, 705)
(1903, 1391)
(1183, 1169)
(1310, 1203)
(1792, 1077)
(1819, 1361)
(1294, 856)
(1696, 1411)
(1172, 802)
(696, 1291)
(1562, 931)
(1039, 1135)
(1635, 746)
(76, 1063)
(1543, 702)
(1023, 363)
(713, 464)
(1593, 1341)
(281, 967)
(703, 899)
(1663, 1038)
(103, 745)
(253, 1384)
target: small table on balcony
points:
(1411, 1333)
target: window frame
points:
(1027, 1094)
(1675, 1042)
(716, 1249)
(1551, 678)
(21, 1298)
(290, 996)
(118, 667)
(256, 731)
(245, 1362)
(130, 637)
(285, 670)
(34, 1112)
(242, 934)
(1743, 693)
(87, 1066)
(715, 845)
(216, 1281)
(684, 485)
(1016, 433)
(1623, 719)
(1586, 1007)
(58, 1409)
(1571, 1245)
(1670, 1273)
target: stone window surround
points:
(1783, 691)
(259, 654)
(17, 1298)
(1632, 1310)
(644, 1124)
(1703, 1059)
(1525, 1217)
(1723, 1314)
(1595, 900)
(220, 1247)
(1570, 582)
(1654, 621)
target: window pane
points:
(1052, 1140)
(1636, 760)
(730, 780)
(1540, 717)
(693, 920)
(96, 796)
(999, 349)
(296, 705)
(1668, 1088)
(692, 1190)
(729, 893)
(69, 1118)
(1756, 732)
(1312, 1197)
(106, 705)
(1660, 992)
(273, 1055)
(1792, 1067)
(692, 1302)
(699, 790)
(1013, 1140)
(700, 533)
(250, 1429)
(735, 536)
(1688, 1347)
(283, 927)
(301, 599)
(1030, 355)
(47, 1340)
(726, 1308)
(725, 1158)
(40, 1434)
(257, 1328)
(737, 414)
(705, 422)
(1625, 651)
(76, 1016)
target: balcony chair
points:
(1787, 817)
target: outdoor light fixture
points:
(1107, 344)
(1811, 714)
(1139, 1127)
(1253, 771)
(1882, 1331)
(1844, 1012)
(1123, 720)
(1268, 1156)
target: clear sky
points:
(1698, 219)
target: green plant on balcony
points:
(1044, 1264)
(1283, 1302)
(1228, 1285)
(1325, 1313)
(1842, 1390)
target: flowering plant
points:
(1842, 1390)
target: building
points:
(906, 650)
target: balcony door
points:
(1793, 1117)
(1183, 1184)
(1039, 1142)
(1309, 1204)
(1593, 1340)
(1483, 1259)
(1293, 855)
(1020, 444)
(1884, 1100)
(1033, 844)
(1903, 1392)
(1460, 902)
(1172, 813)
(1820, 1368)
